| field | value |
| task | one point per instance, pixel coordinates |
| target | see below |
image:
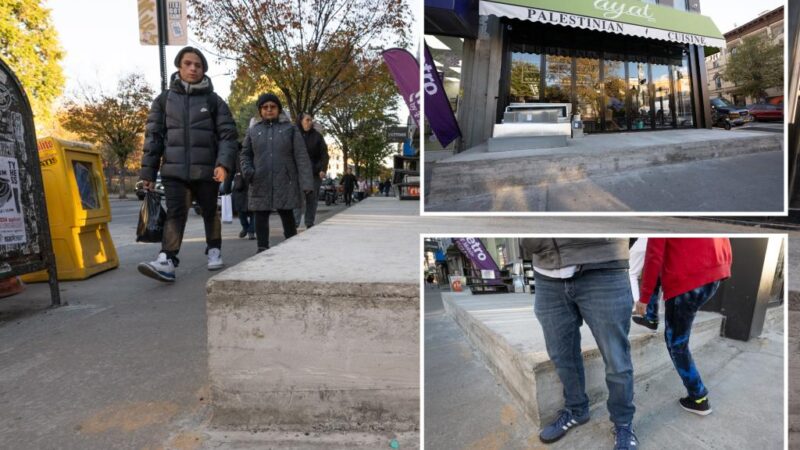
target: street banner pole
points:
(405, 71)
(161, 17)
(437, 106)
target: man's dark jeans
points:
(248, 221)
(262, 226)
(680, 312)
(602, 298)
(179, 196)
(310, 201)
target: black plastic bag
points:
(151, 219)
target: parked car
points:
(765, 112)
(726, 114)
(139, 188)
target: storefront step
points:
(478, 172)
(504, 330)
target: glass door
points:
(639, 97)
(588, 93)
(662, 96)
(615, 93)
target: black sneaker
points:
(643, 321)
(242, 234)
(699, 406)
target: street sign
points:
(397, 134)
(25, 244)
(176, 22)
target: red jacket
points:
(684, 264)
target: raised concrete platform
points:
(505, 331)
(478, 172)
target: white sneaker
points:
(214, 259)
(161, 269)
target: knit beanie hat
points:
(185, 50)
(269, 97)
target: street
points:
(124, 364)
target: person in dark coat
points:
(318, 153)
(349, 182)
(276, 165)
(191, 138)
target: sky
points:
(101, 40)
(729, 14)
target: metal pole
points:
(161, 17)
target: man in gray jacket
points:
(191, 138)
(581, 280)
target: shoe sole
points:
(213, 268)
(699, 413)
(149, 272)
(550, 441)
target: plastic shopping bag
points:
(227, 209)
(151, 219)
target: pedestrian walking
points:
(239, 197)
(277, 168)
(690, 270)
(387, 187)
(191, 138)
(586, 280)
(318, 154)
(349, 182)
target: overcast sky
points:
(729, 14)
(101, 40)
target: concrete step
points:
(476, 173)
(505, 331)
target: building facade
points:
(623, 66)
(769, 25)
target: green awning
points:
(628, 17)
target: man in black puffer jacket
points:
(191, 138)
(318, 153)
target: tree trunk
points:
(122, 193)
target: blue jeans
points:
(603, 299)
(680, 312)
(652, 307)
(247, 221)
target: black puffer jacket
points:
(317, 150)
(189, 133)
(276, 166)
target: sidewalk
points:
(467, 408)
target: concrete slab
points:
(469, 176)
(467, 408)
(504, 329)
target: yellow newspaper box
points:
(78, 209)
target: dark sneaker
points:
(562, 424)
(261, 249)
(699, 406)
(643, 321)
(251, 236)
(162, 269)
(624, 439)
(242, 234)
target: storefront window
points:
(615, 90)
(559, 79)
(588, 93)
(638, 96)
(526, 77)
(681, 5)
(683, 94)
(662, 96)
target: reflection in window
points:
(588, 93)
(662, 91)
(87, 187)
(525, 77)
(615, 96)
(639, 97)
(559, 79)
(683, 94)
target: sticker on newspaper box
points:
(12, 221)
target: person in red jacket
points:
(690, 270)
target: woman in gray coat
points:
(275, 163)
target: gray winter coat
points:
(559, 253)
(276, 165)
(189, 133)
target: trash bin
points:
(577, 126)
(77, 208)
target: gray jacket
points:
(276, 166)
(190, 131)
(557, 253)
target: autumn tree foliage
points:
(114, 121)
(307, 48)
(29, 45)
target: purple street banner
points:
(405, 71)
(437, 106)
(473, 249)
